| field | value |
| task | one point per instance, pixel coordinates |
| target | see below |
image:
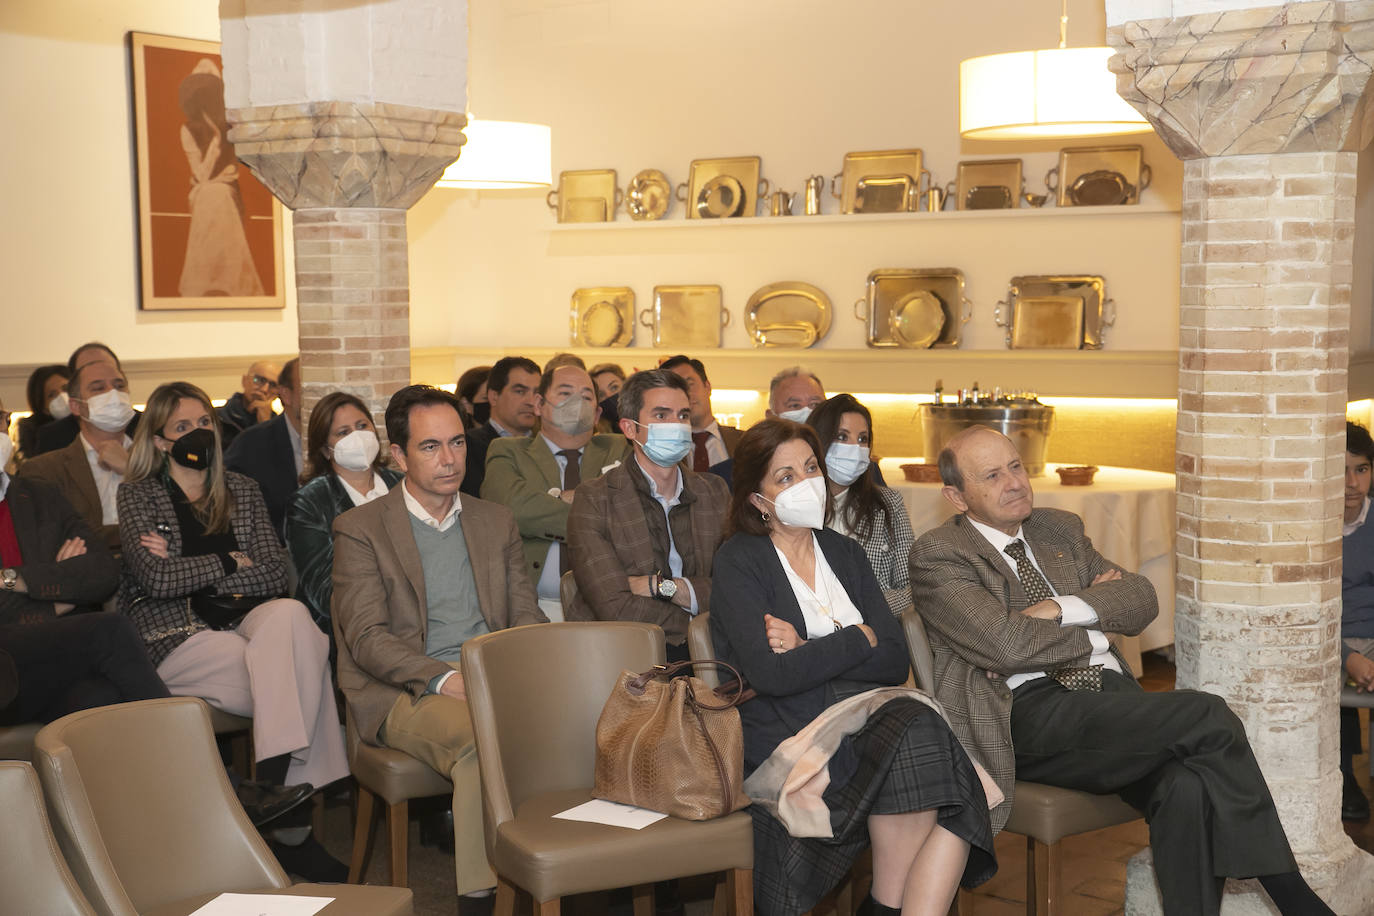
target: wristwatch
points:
(9, 577)
(665, 589)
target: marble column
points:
(1268, 108)
(348, 112)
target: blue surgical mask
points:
(666, 444)
(800, 415)
(846, 462)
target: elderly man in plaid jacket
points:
(1018, 605)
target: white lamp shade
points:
(502, 155)
(1064, 92)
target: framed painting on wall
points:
(210, 233)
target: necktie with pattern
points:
(700, 460)
(1037, 590)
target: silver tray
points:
(602, 316)
(649, 195)
(880, 165)
(787, 314)
(585, 196)
(1056, 312)
(988, 184)
(1099, 176)
(711, 180)
(686, 317)
(898, 314)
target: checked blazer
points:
(612, 536)
(156, 592)
(970, 599)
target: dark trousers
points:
(76, 662)
(1181, 758)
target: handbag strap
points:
(721, 772)
(740, 694)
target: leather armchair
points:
(34, 878)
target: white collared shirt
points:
(4, 484)
(107, 481)
(1348, 529)
(377, 492)
(825, 605)
(420, 512)
(1076, 611)
(548, 585)
(715, 446)
(295, 436)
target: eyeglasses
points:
(264, 382)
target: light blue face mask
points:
(667, 443)
(846, 462)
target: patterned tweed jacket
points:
(888, 556)
(156, 592)
(970, 599)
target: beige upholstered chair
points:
(535, 693)
(16, 741)
(1043, 814)
(34, 878)
(395, 777)
(145, 815)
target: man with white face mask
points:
(643, 536)
(90, 469)
(60, 433)
(793, 393)
(536, 477)
(270, 452)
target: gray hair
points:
(792, 372)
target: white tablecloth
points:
(1128, 513)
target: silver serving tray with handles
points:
(585, 196)
(686, 317)
(878, 167)
(789, 313)
(602, 316)
(1056, 312)
(1096, 176)
(723, 188)
(897, 307)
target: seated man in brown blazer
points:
(416, 574)
(89, 470)
(643, 535)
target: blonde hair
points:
(215, 508)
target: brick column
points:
(349, 171)
(1266, 107)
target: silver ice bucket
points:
(1028, 426)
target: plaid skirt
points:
(905, 759)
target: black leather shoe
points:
(1354, 804)
(476, 906)
(436, 829)
(265, 803)
(310, 861)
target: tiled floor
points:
(1094, 864)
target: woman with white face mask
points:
(47, 396)
(797, 610)
(344, 467)
(871, 514)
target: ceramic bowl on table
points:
(1078, 476)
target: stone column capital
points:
(346, 154)
(1289, 79)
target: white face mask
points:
(357, 450)
(110, 411)
(573, 416)
(800, 415)
(59, 408)
(846, 462)
(801, 505)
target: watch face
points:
(667, 588)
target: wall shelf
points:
(624, 224)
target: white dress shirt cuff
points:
(436, 684)
(1077, 612)
(691, 607)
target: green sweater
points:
(454, 614)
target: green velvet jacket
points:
(310, 540)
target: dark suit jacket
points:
(520, 473)
(478, 439)
(70, 473)
(730, 436)
(60, 433)
(610, 539)
(381, 617)
(794, 687)
(264, 453)
(43, 520)
(970, 599)
(235, 418)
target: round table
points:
(1128, 513)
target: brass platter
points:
(787, 314)
(874, 164)
(988, 184)
(649, 195)
(885, 194)
(686, 317)
(742, 170)
(602, 316)
(1099, 176)
(585, 196)
(1056, 312)
(898, 307)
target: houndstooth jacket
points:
(971, 600)
(156, 592)
(888, 557)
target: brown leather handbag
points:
(665, 743)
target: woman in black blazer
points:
(798, 610)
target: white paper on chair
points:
(600, 811)
(263, 905)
